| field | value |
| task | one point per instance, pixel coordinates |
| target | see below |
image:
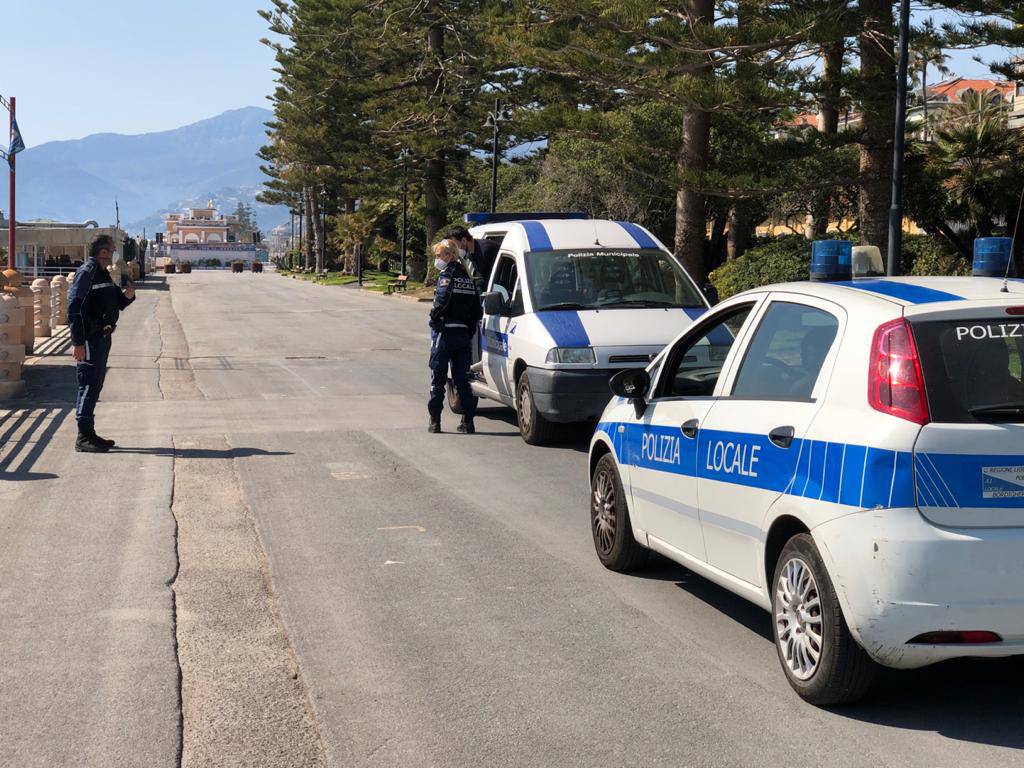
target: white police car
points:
(569, 303)
(849, 456)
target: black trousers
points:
(450, 348)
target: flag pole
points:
(11, 225)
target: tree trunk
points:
(307, 218)
(691, 162)
(435, 197)
(878, 87)
(924, 94)
(740, 229)
(318, 230)
(828, 124)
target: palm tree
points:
(927, 51)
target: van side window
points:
(506, 276)
(786, 353)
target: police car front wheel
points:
(822, 661)
(617, 547)
(534, 428)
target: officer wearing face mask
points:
(453, 321)
(480, 254)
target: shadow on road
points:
(575, 437)
(975, 700)
(202, 453)
(53, 346)
(152, 283)
(25, 434)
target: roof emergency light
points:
(867, 261)
(991, 256)
(831, 260)
(486, 217)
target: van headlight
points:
(575, 355)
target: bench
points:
(398, 284)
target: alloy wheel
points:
(798, 620)
(603, 512)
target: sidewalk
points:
(87, 548)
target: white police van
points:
(569, 303)
(849, 455)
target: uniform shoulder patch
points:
(444, 281)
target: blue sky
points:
(130, 66)
(133, 66)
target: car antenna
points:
(1013, 239)
(597, 240)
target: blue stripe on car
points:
(914, 294)
(637, 233)
(537, 236)
(565, 327)
(840, 473)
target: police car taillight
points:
(895, 382)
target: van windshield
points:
(973, 369)
(597, 278)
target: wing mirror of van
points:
(632, 385)
(495, 303)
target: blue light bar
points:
(831, 260)
(485, 217)
(991, 256)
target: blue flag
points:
(17, 143)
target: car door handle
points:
(782, 436)
(689, 428)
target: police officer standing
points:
(94, 303)
(453, 321)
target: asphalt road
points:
(439, 593)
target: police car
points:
(847, 454)
(570, 302)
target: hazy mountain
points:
(149, 174)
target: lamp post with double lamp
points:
(494, 120)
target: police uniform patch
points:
(444, 281)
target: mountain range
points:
(149, 174)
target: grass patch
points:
(372, 279)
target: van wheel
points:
(616, 546)
(535, 429)
(454, 401)
(822, 661)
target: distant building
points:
(47, 247)
(200, 225)
(1017, 100)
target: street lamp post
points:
(494, 120)
(899, 141)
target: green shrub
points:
(924, 255)
(778, 260)
(788, 257)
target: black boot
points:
(467, 427)
(109, 443)
(434, 426)
(88, 442)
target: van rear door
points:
(969, 460)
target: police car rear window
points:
(972, 369)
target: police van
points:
(847, 454)
(571, 301)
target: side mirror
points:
(633, 385)
(495, 304)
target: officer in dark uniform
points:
(481, 254)
(453, 321)
(94, 304)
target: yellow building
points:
(200, 225)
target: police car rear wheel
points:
(616, 546)
(535, 429)
(822, 661)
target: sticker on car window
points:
(990, 331)
(1002, 482)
